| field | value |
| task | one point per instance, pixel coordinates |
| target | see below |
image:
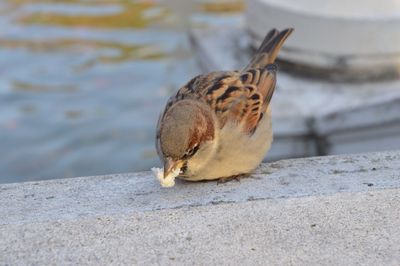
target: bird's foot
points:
(225, 179)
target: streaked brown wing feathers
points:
(242, 97)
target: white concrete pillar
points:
(349, 37)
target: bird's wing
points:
(241, 97)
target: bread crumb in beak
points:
(169, 180)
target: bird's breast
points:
(237, 152)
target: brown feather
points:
(269, 48)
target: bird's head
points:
(187, 137)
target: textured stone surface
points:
(137, 192)
(322, 210)
(341, 229)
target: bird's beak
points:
(171, 165)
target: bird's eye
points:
(191, 151)
(183, 168)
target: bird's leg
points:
(225, 179)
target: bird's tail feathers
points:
(269, 48)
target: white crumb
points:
(168, 181)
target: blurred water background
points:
(82, 81)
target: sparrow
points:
(218, 125)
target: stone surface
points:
(138, 192)
(322, 210)
(344, 229)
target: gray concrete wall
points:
(331, 210)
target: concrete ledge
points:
(321, 210)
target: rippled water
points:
(82, 82)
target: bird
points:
(218, 125)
